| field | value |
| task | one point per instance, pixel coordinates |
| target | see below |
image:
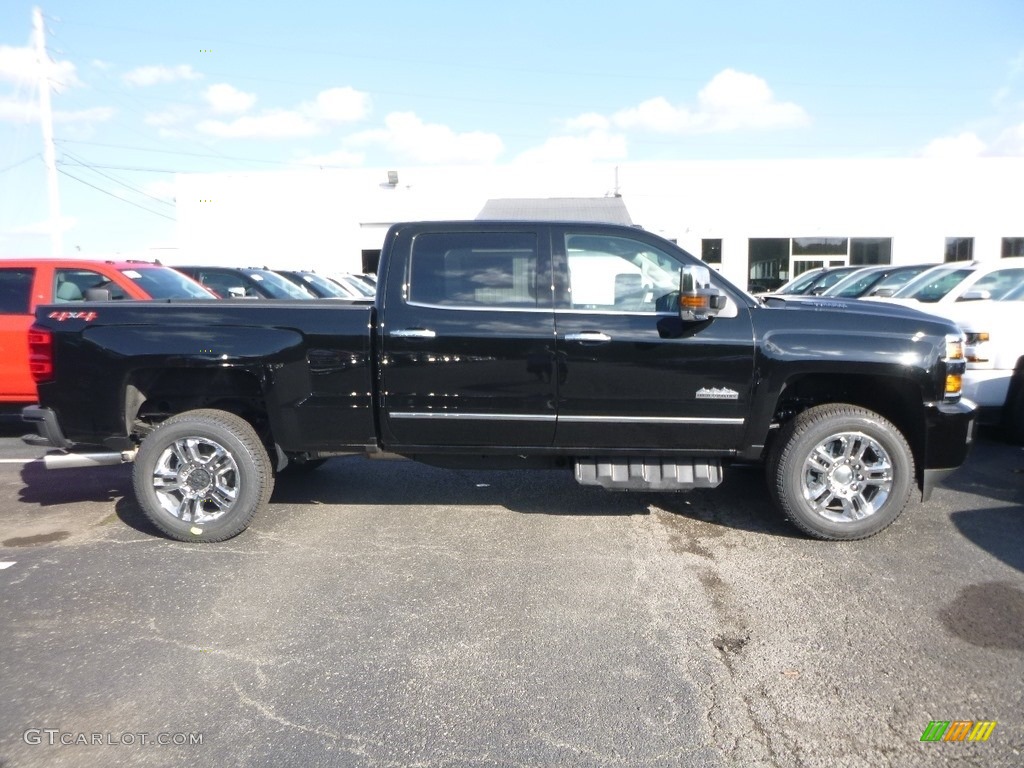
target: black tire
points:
(859, 484)
(208, 489)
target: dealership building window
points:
(871, 250)
(959, 248)
(711, 250)
(767, 263)
(773, 261)
(820, 246)
(1013, 246)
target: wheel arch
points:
(899, 400)
(153, 395)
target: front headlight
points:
(976, 350)
(954, 346)
(954, 354)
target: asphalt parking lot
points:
(388, 613)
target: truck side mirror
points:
(698, 299)
(97, 294)
(236, 292)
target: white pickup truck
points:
(994, 379)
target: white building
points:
(758, 221)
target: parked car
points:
(945, 284)
(994, 379)
(813, 282)
(246, 283)
(355, 285)
(320, 286)
(881, 280)
(27, 283)
(366, 277)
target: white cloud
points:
(966, 144)
(152, 75)
(409, 138)
(164, 189)
(273, 124)
(19, 65)
(91, 115)
(1011, 141)
(594, 145)
(340, 157)
(44, 227)
(173, 115)
(588, 122)
(225, 99)
(658, 115)
(731, 101)
(332, 106)
(338, 105)
(24, 111)
(18, 111)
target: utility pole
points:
(46, 123)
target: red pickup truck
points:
(26, 283)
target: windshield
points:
(1017, 294)
(933, 284)
(899, 278)
(165, 283)
(323, 286)
(855, 284)
(276, 286)
(800, 283)
(355, 285)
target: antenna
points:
(46, 124)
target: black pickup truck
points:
(599, 348)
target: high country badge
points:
(717, 393)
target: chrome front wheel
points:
(840, 471)
(847, 477)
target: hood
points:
(851, 306)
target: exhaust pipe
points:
(77, 460)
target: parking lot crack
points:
(269, 713)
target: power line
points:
(114, 179)
(177, 152)
(20, 162)
(131, 168)
(105, 192)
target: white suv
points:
(939, 287)
(994, 379)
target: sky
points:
(142, 91)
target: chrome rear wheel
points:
(202, 475)
(196, 480)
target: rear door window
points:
(71, 285)
(16, 290)
(476, 269)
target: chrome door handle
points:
(413, 333)
(593, 337)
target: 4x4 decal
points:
(60, 317)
